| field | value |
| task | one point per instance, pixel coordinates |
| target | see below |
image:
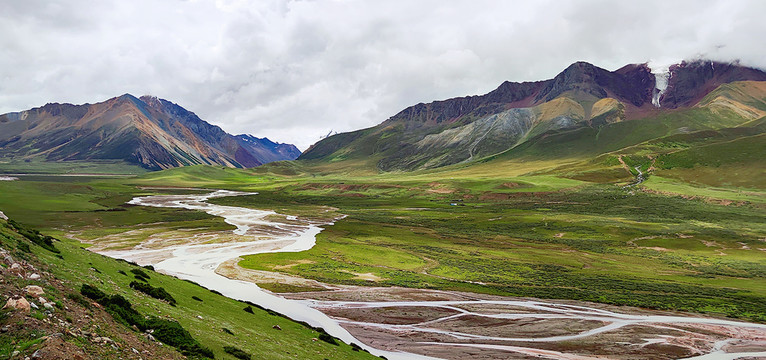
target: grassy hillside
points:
(213, 320)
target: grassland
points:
(589, 242)
(484, 229)
(70, 167)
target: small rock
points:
(48, 306)
(16, 268)
(15, 353)
(34, 276)
(199, 317)
(42, 300)
(277, 327)
(134, 350)
(34, 290)
(314, 339)
(37, 354)
(18, 303)
(33, 305)
(5, 328)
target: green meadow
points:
(665, 244)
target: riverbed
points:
(430, 324)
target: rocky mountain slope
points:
(583, 99)
(148, 131)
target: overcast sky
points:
(295, 70)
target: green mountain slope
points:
(583, 112)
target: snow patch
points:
(661, 77)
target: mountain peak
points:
(632, 83)
(148, 131)
(581, 99)
(690, 81)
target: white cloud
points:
(293, 70)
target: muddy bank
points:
(456, 325)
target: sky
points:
(294, 71)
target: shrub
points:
(44, 241)
(237, 353)
(140, 274)
(328, 338)
(92, 292)
(155, 292)
(168, 331)
(173, 334)
(78, 299)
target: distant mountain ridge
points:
(151, 132)
(582, 96)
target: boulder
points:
(34, 290)
(18, 303)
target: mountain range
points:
(584, 110)
(148, 131)
(584, 113)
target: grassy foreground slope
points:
(213, 320)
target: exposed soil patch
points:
(397, 315)
(68, 329)
(498, 328)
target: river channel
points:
(198, 262)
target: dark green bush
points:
(237, 353)
(44, 241)
(140, 274)
(155, 292)
(328, 338)
(167, 331)
(92, 292)
(78, 299)
(173, 334)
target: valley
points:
(585, 216)
(447, 236)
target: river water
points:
(198, 263)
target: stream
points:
(198, 263)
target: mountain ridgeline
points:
(147, 131)
(583, 110)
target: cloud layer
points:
(295, 70)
